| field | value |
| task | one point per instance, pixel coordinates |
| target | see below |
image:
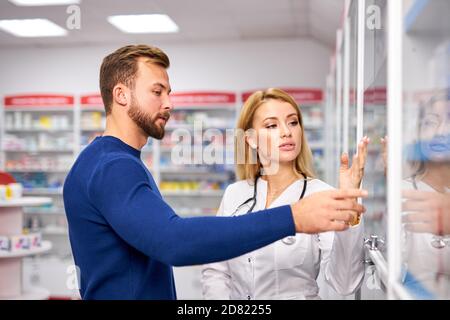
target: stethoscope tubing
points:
(288, 240)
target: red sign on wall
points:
(375, 96)
(38, 100)
(92, 100)
(179, 99)
(202, 98)
(299, 94)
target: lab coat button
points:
(249, 260)
(249, 298)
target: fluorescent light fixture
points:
(32, 28)
(144, 23)
(29, 3)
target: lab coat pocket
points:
(290, 252)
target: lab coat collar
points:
(294, 190)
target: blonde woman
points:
(277, 170)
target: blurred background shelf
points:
(45, 247)
(25, 202)
(43, 191)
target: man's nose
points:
(167, 104)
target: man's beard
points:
(146, 121)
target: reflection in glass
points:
(426, 215)
(426, 154)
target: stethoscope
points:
(288, 240)
(437, 242)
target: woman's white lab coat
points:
(429, 266)
(285, 269)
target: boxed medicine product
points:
(35, 240)
(19, 242)
(5, 243)
(25, 242)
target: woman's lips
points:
(287, 146)
(438, 147)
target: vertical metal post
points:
(360, 86)
(338, 95)
(360, 71)
(395, 130)
(346, 103)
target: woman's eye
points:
(293, 123)
(271, 126)
(431, 123)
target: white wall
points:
(219, 66)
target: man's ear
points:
(121, 94)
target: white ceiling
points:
(198, 20)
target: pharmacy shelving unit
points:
(39, 142)
(311, 103)
(92, 119)
(195, 186)
(375, 114)
(11, 224)
(191, 181)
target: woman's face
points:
(278, 132)
(435, 132)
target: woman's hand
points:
(428, 212)
(350, 178)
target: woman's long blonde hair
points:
(251, 166)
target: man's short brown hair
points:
(121, 67)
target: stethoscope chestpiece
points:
(289, 240)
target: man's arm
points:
(121, 192)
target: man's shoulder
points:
(103, 154)
(120, 163)
(94, 163)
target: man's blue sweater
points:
(125, 237)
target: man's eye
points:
(158, 93)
